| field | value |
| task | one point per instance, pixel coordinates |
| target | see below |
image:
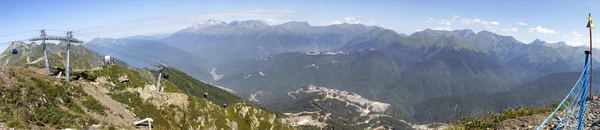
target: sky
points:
(551, 21)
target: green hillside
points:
(44, 102)
(115, 96)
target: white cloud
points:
(429, 20)
(511, 30)
(176, 22)
(371, 22)
(418, 30)
(445, 23)
(349, 20)
(478, 21)
(336, 22)
(468, 21)
(455, 17)
(254, 12)
(522, 24)
(494, 23)
(540, 29)
(574, 43)
(485, 23)
(576, 34)
(443, 28)
(577, 39)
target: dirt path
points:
(117, 114)
(36, 60)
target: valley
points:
(424, 77)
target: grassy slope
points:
(59, 105)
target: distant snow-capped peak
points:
(213, 22)
(208, 23)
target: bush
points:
(69, 103)
(54, 116)
(17, 124)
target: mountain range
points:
(224, 42)
(413, 73)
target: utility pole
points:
(590, 25)
(162, 65)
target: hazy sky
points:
(551, 21)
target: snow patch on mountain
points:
(207, 24)
(261, 73)
(215, 76)
(247, 76)
(263, 57)
(253, 96)
(325, 53)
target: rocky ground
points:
(533, 121)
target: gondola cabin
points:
(15, 51)
(166, 75)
